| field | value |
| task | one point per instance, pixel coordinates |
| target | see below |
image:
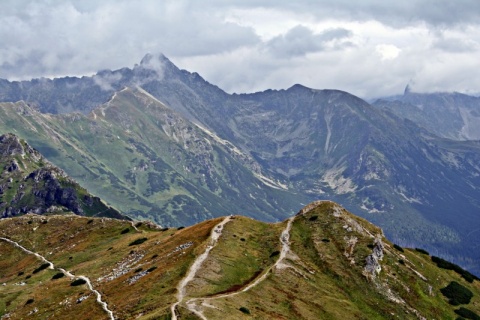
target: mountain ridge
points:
(316, 143)
(31, 184)
(323, 262)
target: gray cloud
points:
(300, 40)
(434, 42)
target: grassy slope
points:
(147, 161)
(321, 277)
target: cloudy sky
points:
(370, 48)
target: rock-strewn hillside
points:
(31, 184)
(323, 263)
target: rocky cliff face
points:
(30, 184)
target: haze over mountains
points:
(162, 143)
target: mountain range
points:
(161, 143)
(322, 263)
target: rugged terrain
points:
(161, 143)
(323, 263)
(31, 184)
(449, 115)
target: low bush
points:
(422, 251)
(58, 276)
(457, 294)
(467, 314)
(78, 282)
(397, 247)
(244, 310)
(444, 264)
(138, 241)
(42, 267)
(151, 269)
(124, 231)
(274, 253)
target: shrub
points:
(29, 301)
(180, 228)
(138, 241)
(325, 240)
(151, 269)
(444, 264)
(21, 273)
(42, 267)
(274, 253)
(401, 261)
(466, 313)
(58, 276)
(422, 251)
(313, 218)
(138, 270)
(457, 294)
(124, 231)
(90, 221)
(396, 246)
(244, 310)
(78, 282)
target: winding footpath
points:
(102, 303)
(214, 236)
(284, 240)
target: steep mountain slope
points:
(308, 143)
(149, 162)
(31, 184)
(323, 263)
(449, 115)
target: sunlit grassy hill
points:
(323, 263)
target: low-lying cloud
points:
(370, 48)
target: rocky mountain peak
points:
(10, 145)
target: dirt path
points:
(284, 240)
(215, 234)
(67, 273)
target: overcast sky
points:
(370, 48)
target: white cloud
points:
(387, 51)
(369, 48)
